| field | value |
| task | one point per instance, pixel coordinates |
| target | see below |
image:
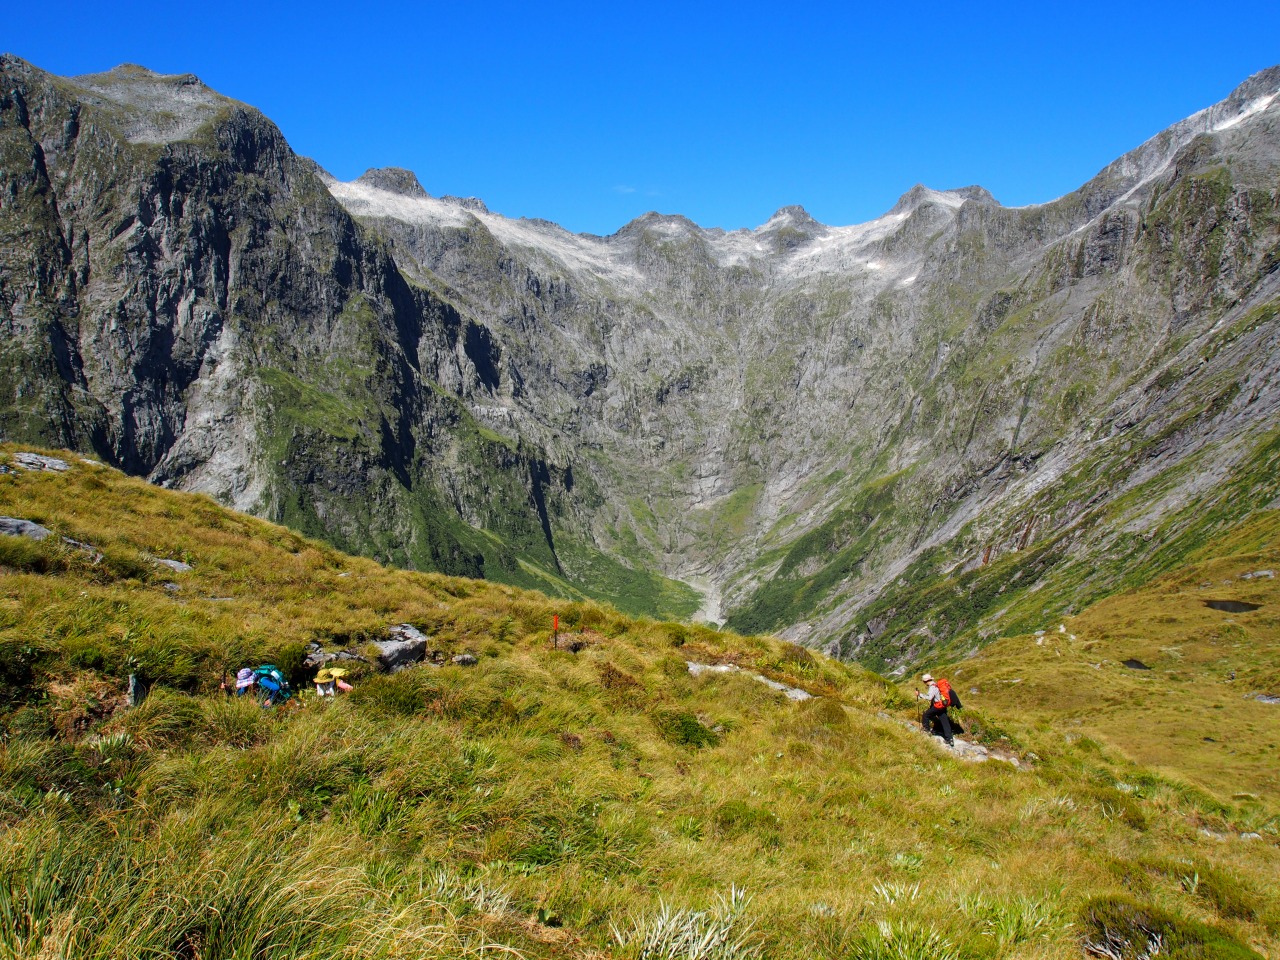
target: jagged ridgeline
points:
(916, 434)
(599, 799)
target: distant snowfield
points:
(826, 249)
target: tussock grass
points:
(541, 803)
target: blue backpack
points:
(269, 679)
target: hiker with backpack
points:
(271, 684)
(935, 719)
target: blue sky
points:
(590, 114)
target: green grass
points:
(544, 803)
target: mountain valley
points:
(894, 441)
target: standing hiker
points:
(935, 719)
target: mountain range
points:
(893, 440)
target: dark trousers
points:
(935, 720)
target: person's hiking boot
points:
(951, 744)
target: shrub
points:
(1118, 928)
(682, 728)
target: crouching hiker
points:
(329, 682)
(935, 720)
(244, 682)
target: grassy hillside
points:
(542, 803)
(1196, 711)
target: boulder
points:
(465, 660)
(23, 528)
(316, 659)
(407, 646)
(35, 461)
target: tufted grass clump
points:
(721, 932)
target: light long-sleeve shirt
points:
(933, 694)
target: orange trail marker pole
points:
(555, 631)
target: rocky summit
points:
(894, 439)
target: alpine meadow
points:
(598, 574)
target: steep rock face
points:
(180, 293)
(892, 438)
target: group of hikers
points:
(940, 697)
(270, 687)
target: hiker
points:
(244, 681)
(329, 682)
(325, 684)
(272, 686)
(935, 720)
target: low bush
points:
(683, 729)
(1119, 928)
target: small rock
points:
(1266, 698)
(1270, 574)
(177, 566)
(23, 528)
(34, 461)
(1250, 836)
(465, 660)
(172, 587)
(317, 659)
(1206, 832)
(5, 469)
(349, 655)
(1136, 665)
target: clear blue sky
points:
(590, 114)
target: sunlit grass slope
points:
(541, 803)
(1196, 712)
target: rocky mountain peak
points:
(920, 195)
(474, 204)
(393, 180)
(150, 107)
(792, 215)
(1261, 84)
(661, 222)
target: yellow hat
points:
(324, 676)
(338, 672)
